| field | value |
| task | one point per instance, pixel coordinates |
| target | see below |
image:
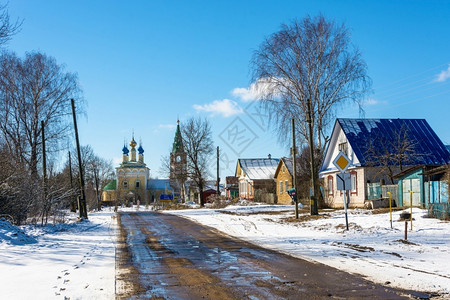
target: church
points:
(133, 183)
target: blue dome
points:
(140, 150)
(125, 150)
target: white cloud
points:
(167, 126)
(444, 75)
(224, 107)
(255, 91)
(371, 102)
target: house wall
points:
(335, 198)
(283, 176)
(131, 176)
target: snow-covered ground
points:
(370, 247)
(75, 260)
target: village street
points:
(162, 255)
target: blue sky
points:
(143, 64)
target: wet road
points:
(163, 256)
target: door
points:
(411, 185)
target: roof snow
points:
(259, 168)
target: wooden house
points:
(284, 178)
(256, 177)
(378, 149)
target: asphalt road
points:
(162, 256)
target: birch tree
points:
(34, 89)
(309, 67)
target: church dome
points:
(133, 143)
(140, 150)
(125, 150)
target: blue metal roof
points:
(158, 184)
(382, 134)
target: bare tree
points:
(198, 145)
(306, 71)
(7, 27)
(98, 172)
(388, 155)
(18, 192)
(33, 89)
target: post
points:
(390, 207)
(218, 178)
(411, 198)
(345, 199)
(406, 230)
(314, 208)
(82, 199)
(345, 206)
(294, 166)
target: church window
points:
(286, 186)
(137, 184)
(125, 184)
(281, 187)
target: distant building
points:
(231, 187)
(133, 184)
(256, 178)
(130, 185)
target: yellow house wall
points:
(131, 176)
(283, 196)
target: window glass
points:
(281, 187)
(353, 181)
(330, 185)
(343, 147)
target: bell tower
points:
(178, 163)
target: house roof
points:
(429, 149)
(287, 161)
(158, 184)
(258, 168)
(111, 186)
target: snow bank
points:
(76, 260)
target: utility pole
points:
(218, 178)
(314, 208)
(82, 198)
(44, 170)
(294, 166)
(73, 205)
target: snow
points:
(75, 260)
(259, 168)
(370, 247)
